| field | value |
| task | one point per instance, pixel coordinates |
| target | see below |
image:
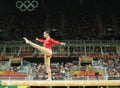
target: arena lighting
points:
(109, 29)
(27, 5)
(54, 29)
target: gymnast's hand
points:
(63, 44)
(37, 38)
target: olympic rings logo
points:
(27, 5)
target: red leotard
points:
(48, 43)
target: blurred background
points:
(91, 29)
(66, 19)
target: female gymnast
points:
(46, 49)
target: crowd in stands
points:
(81, 26)
(65, 26)
(1, 48)
(10, 70)
(68, 25)
(107, 68)
(102, 68)
(112, 66)
(21, 49)
(3, 65)
(14, 27)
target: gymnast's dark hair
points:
(48, 32)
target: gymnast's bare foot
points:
(26, 40)
(49, 79)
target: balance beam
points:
(61, 83)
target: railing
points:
(86, 47)
(67, 41)
(64, 54)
